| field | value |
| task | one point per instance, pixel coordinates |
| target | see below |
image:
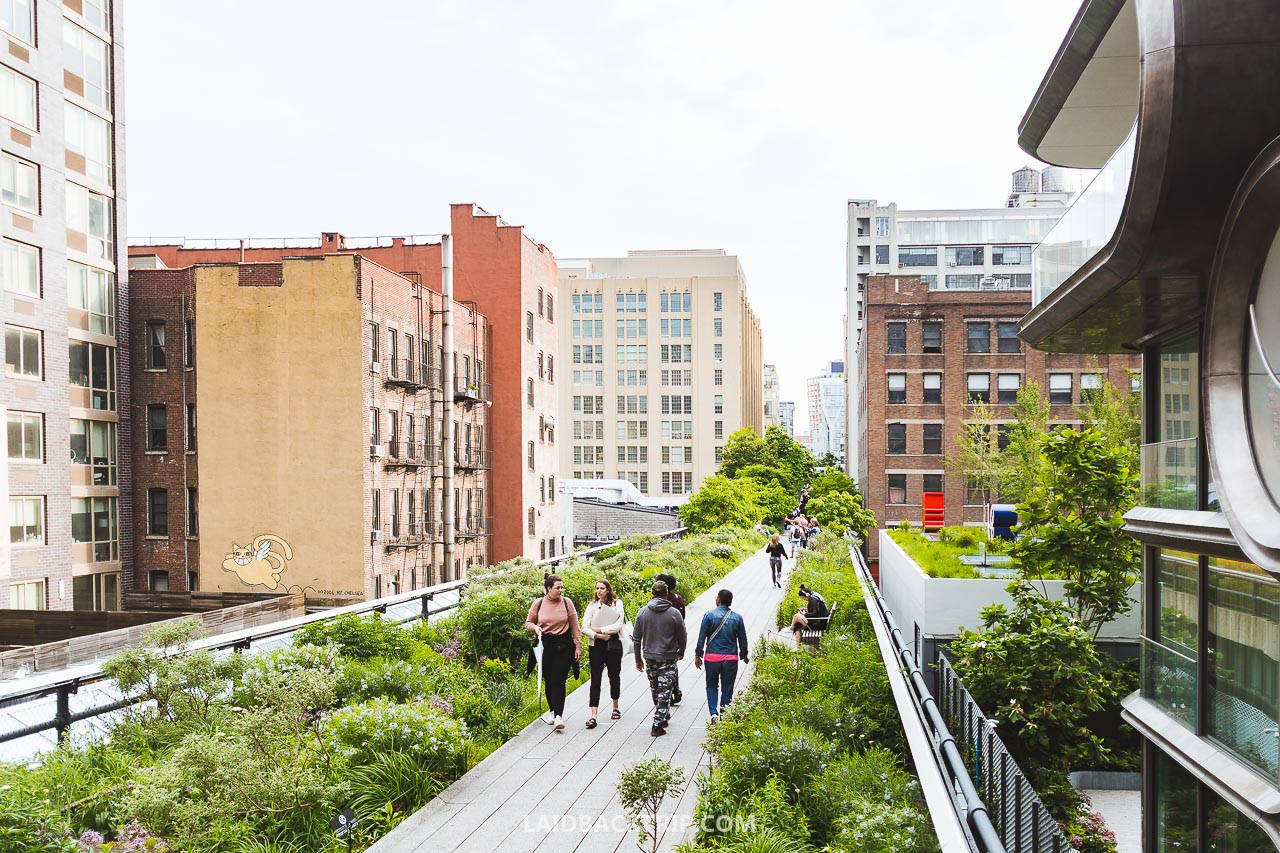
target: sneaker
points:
(715, 718)
(559, 723)
(675, 700)
(657, 731)
(549, 718)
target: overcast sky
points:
(600, 126)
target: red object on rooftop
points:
(932, 512)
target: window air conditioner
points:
(375, 535)
(377, 451)
(375, 367)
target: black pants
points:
(557, 658)
(606, 653)
(775, 566)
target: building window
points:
(931, 483)
(375, 347)
(718, 404)
(89, 58)
(882, 254)
(375, 510)
(897, 337)
(1171, 645)
(530, 453)
(979, 388)
(979, 337)
(17, 97)
(717, 326)
(393, 352)
(191, 427)
(26, 436)
(964, 256)
(897, 488)
(22, 353)
(917, 256)
(20, 266)
(157, 512)
(90, 137)
(26, 521)
(532, 527)
(932, 388)
(528, 391)
(1003, 256)
(94, 443)
(28, 595)
(94, 522)
(717, 352)
(1008, 333)
(1003, 432)
(393, 510)
(17, 20)
(932, 336)
(393, 434)
(1091, 388)
(882, 226)
(91, 214)
(551, 316)
(158, 580)
(1007, 385)
(719, 429)
(155, 345)
(93, 366)
(94, 292)
(157, 427)
(539, 301)
(717, 301)
(933, 439)
(1060, 389)
(896, 437)
(719, 377)
(528, 326)
(99, 591)
(897, 387)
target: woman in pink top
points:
(554, 620)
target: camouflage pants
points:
(662, 684)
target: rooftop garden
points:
(258, 753)
(940, 557)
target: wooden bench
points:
(812, 635)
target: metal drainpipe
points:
(186, 485)
(446, 416)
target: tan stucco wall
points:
(281, 431)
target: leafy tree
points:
(831, 480)
(1036, 672)
(775, 503)
(975, 456)
(1020, 466)
(641, 789)
(721, 502)
(1071, 524)
(765, 475)
(790, 456)
(1116, 414)
(842, 511)
(744, 447)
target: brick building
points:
(511, 280)
(927, 353)
(65, 386)
(291, 430)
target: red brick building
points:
(927, 352)
(510, 280)
(296, 406)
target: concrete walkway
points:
(542, 791)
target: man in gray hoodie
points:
(660, 639)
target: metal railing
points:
(412, 375)
(475, 526)
(402, 607)
(1014, 807)
(470, 458)
(410, 454)
(471, 390)
(969, 809)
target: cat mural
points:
(258, 564)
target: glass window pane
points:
(1170, 647)
(1176, 828)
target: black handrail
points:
(241, 641)
(952, 762)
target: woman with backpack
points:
(554, 620)
(602, 623)
(776, 551)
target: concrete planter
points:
(940, 607)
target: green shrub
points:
(935, 559)
(364, 638)
(493, 623)
(381, 726)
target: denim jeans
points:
(720, 677)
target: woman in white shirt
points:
(602, 623)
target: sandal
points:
(616, 715)
(591, 722)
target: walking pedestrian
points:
(797, 537)
(554, 620)
(602, 623)
(678, 602)
(776, 551)
(659, 640)
(815, 610)
(723, 634)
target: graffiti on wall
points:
(261, 563)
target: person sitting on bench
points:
(813, 615)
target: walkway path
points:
(542, 791)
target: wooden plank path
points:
(542, 791)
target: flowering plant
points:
(418, 729)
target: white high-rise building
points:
(770, 396)
(787, 416)
(827, 417)
(957, 249)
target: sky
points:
(600, 126)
